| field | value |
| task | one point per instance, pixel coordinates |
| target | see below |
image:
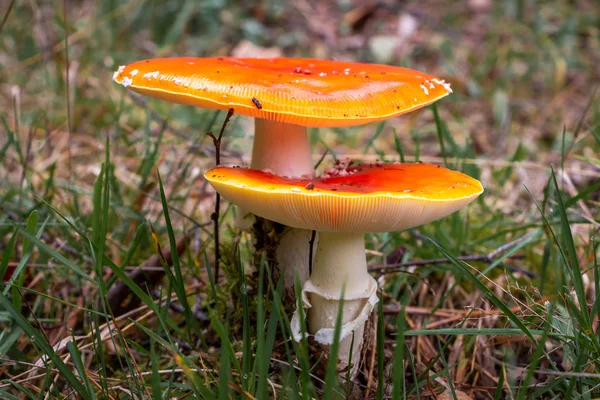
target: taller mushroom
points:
(285, 96)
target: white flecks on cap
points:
(117, 72)
(443, 83)
(126, 81)
(296, 190)
(150, 75)
(425, 90)
(134, 72)
(177, 80)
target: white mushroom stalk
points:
(284, 150)
(340, 265)
(281, 148)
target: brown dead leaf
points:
(447, 395)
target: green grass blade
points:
(178, 284)
(224, 376)
(224, 336)
(268, 342)
(77, 361)
(155, 379)
(440, 133)
(570, 253)
(398, 378)
(399, 147)
(7, 254)
(446, 371)
(331, 373)
(535, 359)
(188, 366)
(378, 131)
(22, 390)
(246, 342)
(499, 386)
(30, 226)
(209, 272)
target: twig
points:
(10, 6)
(429, 385)
(311, 245)
(154, 116)
(581, 120)
(68, 89)
(215, 215)
(390, 268)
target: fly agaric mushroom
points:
(343, 205)
(285, 96)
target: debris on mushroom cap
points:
(305, 92)
(372, 198)
(340, 168)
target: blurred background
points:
(522, 71)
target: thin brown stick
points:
(215, 214)
(68, 88)
(10, 7)
(581, 121)
(490, 257)
(311, 246)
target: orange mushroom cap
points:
(306, 92)
(366, 198)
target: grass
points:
(94, 183)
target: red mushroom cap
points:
(367, 198)
(305, 92)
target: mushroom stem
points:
(340, 262)
(340, 265)
(284, 150)
(281, 148)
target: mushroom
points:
(343, 205)
(285, 96)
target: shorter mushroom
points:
(343, 205)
